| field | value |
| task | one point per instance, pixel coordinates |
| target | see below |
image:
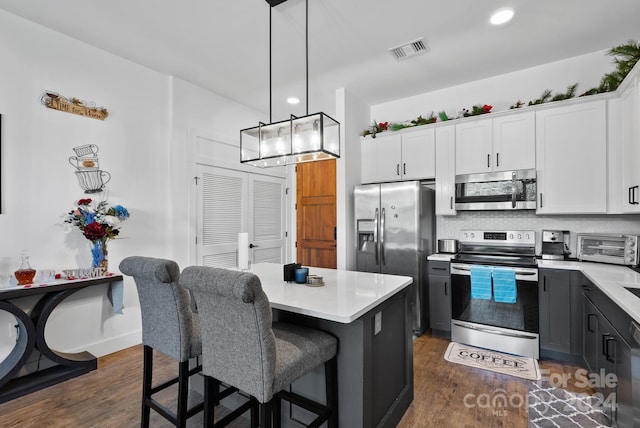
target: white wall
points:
(500, 91)
(39, 186)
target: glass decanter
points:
(26, 273)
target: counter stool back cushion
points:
(241, 346)
(168, 323)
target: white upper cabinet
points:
(504, 143)
(474, 147)
(398, 156)
(445, 170)
(571, 158)
(630, 146)
(514, 142)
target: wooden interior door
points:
(316, 213)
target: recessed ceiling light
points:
(501, 16)
(293, 100)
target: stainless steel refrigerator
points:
(395, 227)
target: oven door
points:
(507, 327)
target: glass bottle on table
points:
(25, 273)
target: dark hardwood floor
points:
(446, 394)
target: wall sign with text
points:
(73, 105)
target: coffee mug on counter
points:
(301, 275)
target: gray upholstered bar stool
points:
(169, 326)
(243, 348)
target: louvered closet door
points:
(222, 213)
(230, 202)
(267, 218)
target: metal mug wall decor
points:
(90, 177)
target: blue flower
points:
(121, 212)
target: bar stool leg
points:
(147, 370)
(265, 415)
(209, 400)
(183, 391)
(277, 411)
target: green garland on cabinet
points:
(625, 58)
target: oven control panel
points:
(504, 237)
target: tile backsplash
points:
(450, 226)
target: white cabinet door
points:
(388, 158)
(474, 147)
(571, 159)
(445, 170)
(418, 155)
(630, 139)
(514, 142)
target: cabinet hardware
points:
(607, 354)
(540, 200)
(629, 195)
(445, 288)
(451, 202)
(404, 168)
(488, 160)
(633, 195)
(398, 169)
(605, 336)
(544, 284)
(438, 268)
(589, 318)
(497, 159)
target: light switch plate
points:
(377, 323)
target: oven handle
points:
(466, 269)
(492, 331)
(513, 189)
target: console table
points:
(31, 328)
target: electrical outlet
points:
(377, 323)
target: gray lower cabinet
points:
(560, 310)
(439, 298)
(608, 356)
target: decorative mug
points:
(86, 150)
(84, 163)
(91, 181)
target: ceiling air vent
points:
(407, 50)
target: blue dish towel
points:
(481, 282)
(504, 285)
(115, 295)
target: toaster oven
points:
(608, 248)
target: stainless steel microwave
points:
(608, 248)
(509, 190)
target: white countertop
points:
(611, 279)
(346, 295)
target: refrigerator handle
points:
(375, 236)
(382, 256)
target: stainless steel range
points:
(494, 292)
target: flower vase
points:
(99, 256)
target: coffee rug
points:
(508, 364)
(556, 407)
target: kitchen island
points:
(370, 315)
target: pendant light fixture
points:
(299, 139)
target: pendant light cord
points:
(270, 95)
(307, 49)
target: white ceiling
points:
(224, 45)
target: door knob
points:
(252, 246)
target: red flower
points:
(487, 108)
(383, 125)
(84, 201)
(94, 231)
